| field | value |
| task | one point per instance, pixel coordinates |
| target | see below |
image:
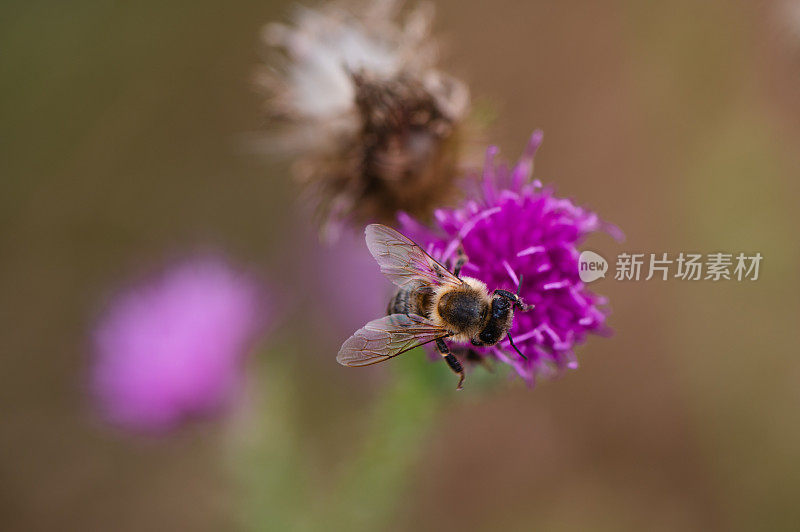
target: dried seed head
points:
(375, 128)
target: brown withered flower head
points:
(374, 127)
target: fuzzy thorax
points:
(463, 310)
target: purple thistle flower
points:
(512, 229)
(172, 347)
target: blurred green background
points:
(123, 134)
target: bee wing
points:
(404, 262)
(387, 337)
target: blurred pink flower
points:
(172, 347)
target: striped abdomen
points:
(411, 301)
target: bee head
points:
(502, 315)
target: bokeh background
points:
(124, 140)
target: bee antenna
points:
(511, 341)
(518, 303)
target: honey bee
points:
(431, 304)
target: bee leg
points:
(451, 360)
(461, 259)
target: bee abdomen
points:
(410, 301)
(399, 304)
